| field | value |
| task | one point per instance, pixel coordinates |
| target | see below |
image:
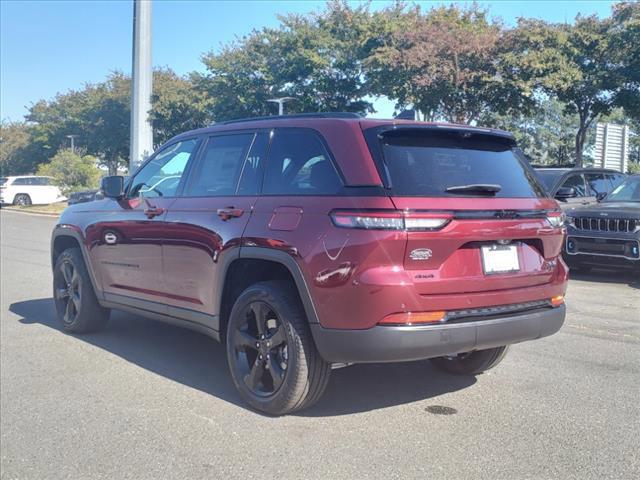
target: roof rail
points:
(295, 115)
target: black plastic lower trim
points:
(405, 343)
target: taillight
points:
(556, 219)
(391, 220)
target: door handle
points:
(153, 212)
(229, 212)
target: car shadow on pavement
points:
(607, 276)
(199, 362)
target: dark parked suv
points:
(314, 241)
(606, 234)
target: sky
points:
(53, 46)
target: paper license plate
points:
(500, 259)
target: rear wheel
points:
(76, 304)
(471, 363)
(22, 200)
(273, 361)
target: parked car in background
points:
(29, 190)
(84, 196)
(306, 242)
(578, 186)
(606, 234)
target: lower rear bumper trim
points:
(406, 343)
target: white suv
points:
(29, 190)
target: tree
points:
(625, 50)
(15, 139)
(316, 59)
(177, 106)
(98, 115)
(570, 63)
(72, 171)
(446, 63)
(546, 136)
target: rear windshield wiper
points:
(487, 188)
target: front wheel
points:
(76, 304)
(273, 360)
(22, 200)
(471, 363)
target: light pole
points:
(280, 101)
(72, 144)
(141, 144)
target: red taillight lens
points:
(391, 220)
(414, 318)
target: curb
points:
(30, 212)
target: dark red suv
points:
(315, 241)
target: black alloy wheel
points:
(67, 292)
(260, 349)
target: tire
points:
(77, 307)
(272, 358)
(471, 363)
(22, 200)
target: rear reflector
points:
(413, 318)
(391, 220)
(557, 300)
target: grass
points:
(54, 208)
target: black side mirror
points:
(566, 192)
(601, 196)
(113, 186)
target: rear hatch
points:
(476, 217)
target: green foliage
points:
(15, 142)
(317, 59)
(546, 136)
(625, 50)
(176, 105)
(573, 64)
(446, 63)
(72, 171)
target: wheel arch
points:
(69, 236)
(255, 264)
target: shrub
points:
(72, 171)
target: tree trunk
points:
(579, 147)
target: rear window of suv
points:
(421, 163)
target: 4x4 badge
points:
(421, 254)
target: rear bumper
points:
(406, 343)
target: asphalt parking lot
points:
(147, 400)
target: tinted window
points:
(420, 164)
(161, 176)
(218, 171)
(577, 183)
(254, 166)
(616, 179)
(628, 191)
(299, 165)
(21, 181)
(598, 183)
(549, 178)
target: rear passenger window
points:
(577, 183)
(299, 164)
(218, 171)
